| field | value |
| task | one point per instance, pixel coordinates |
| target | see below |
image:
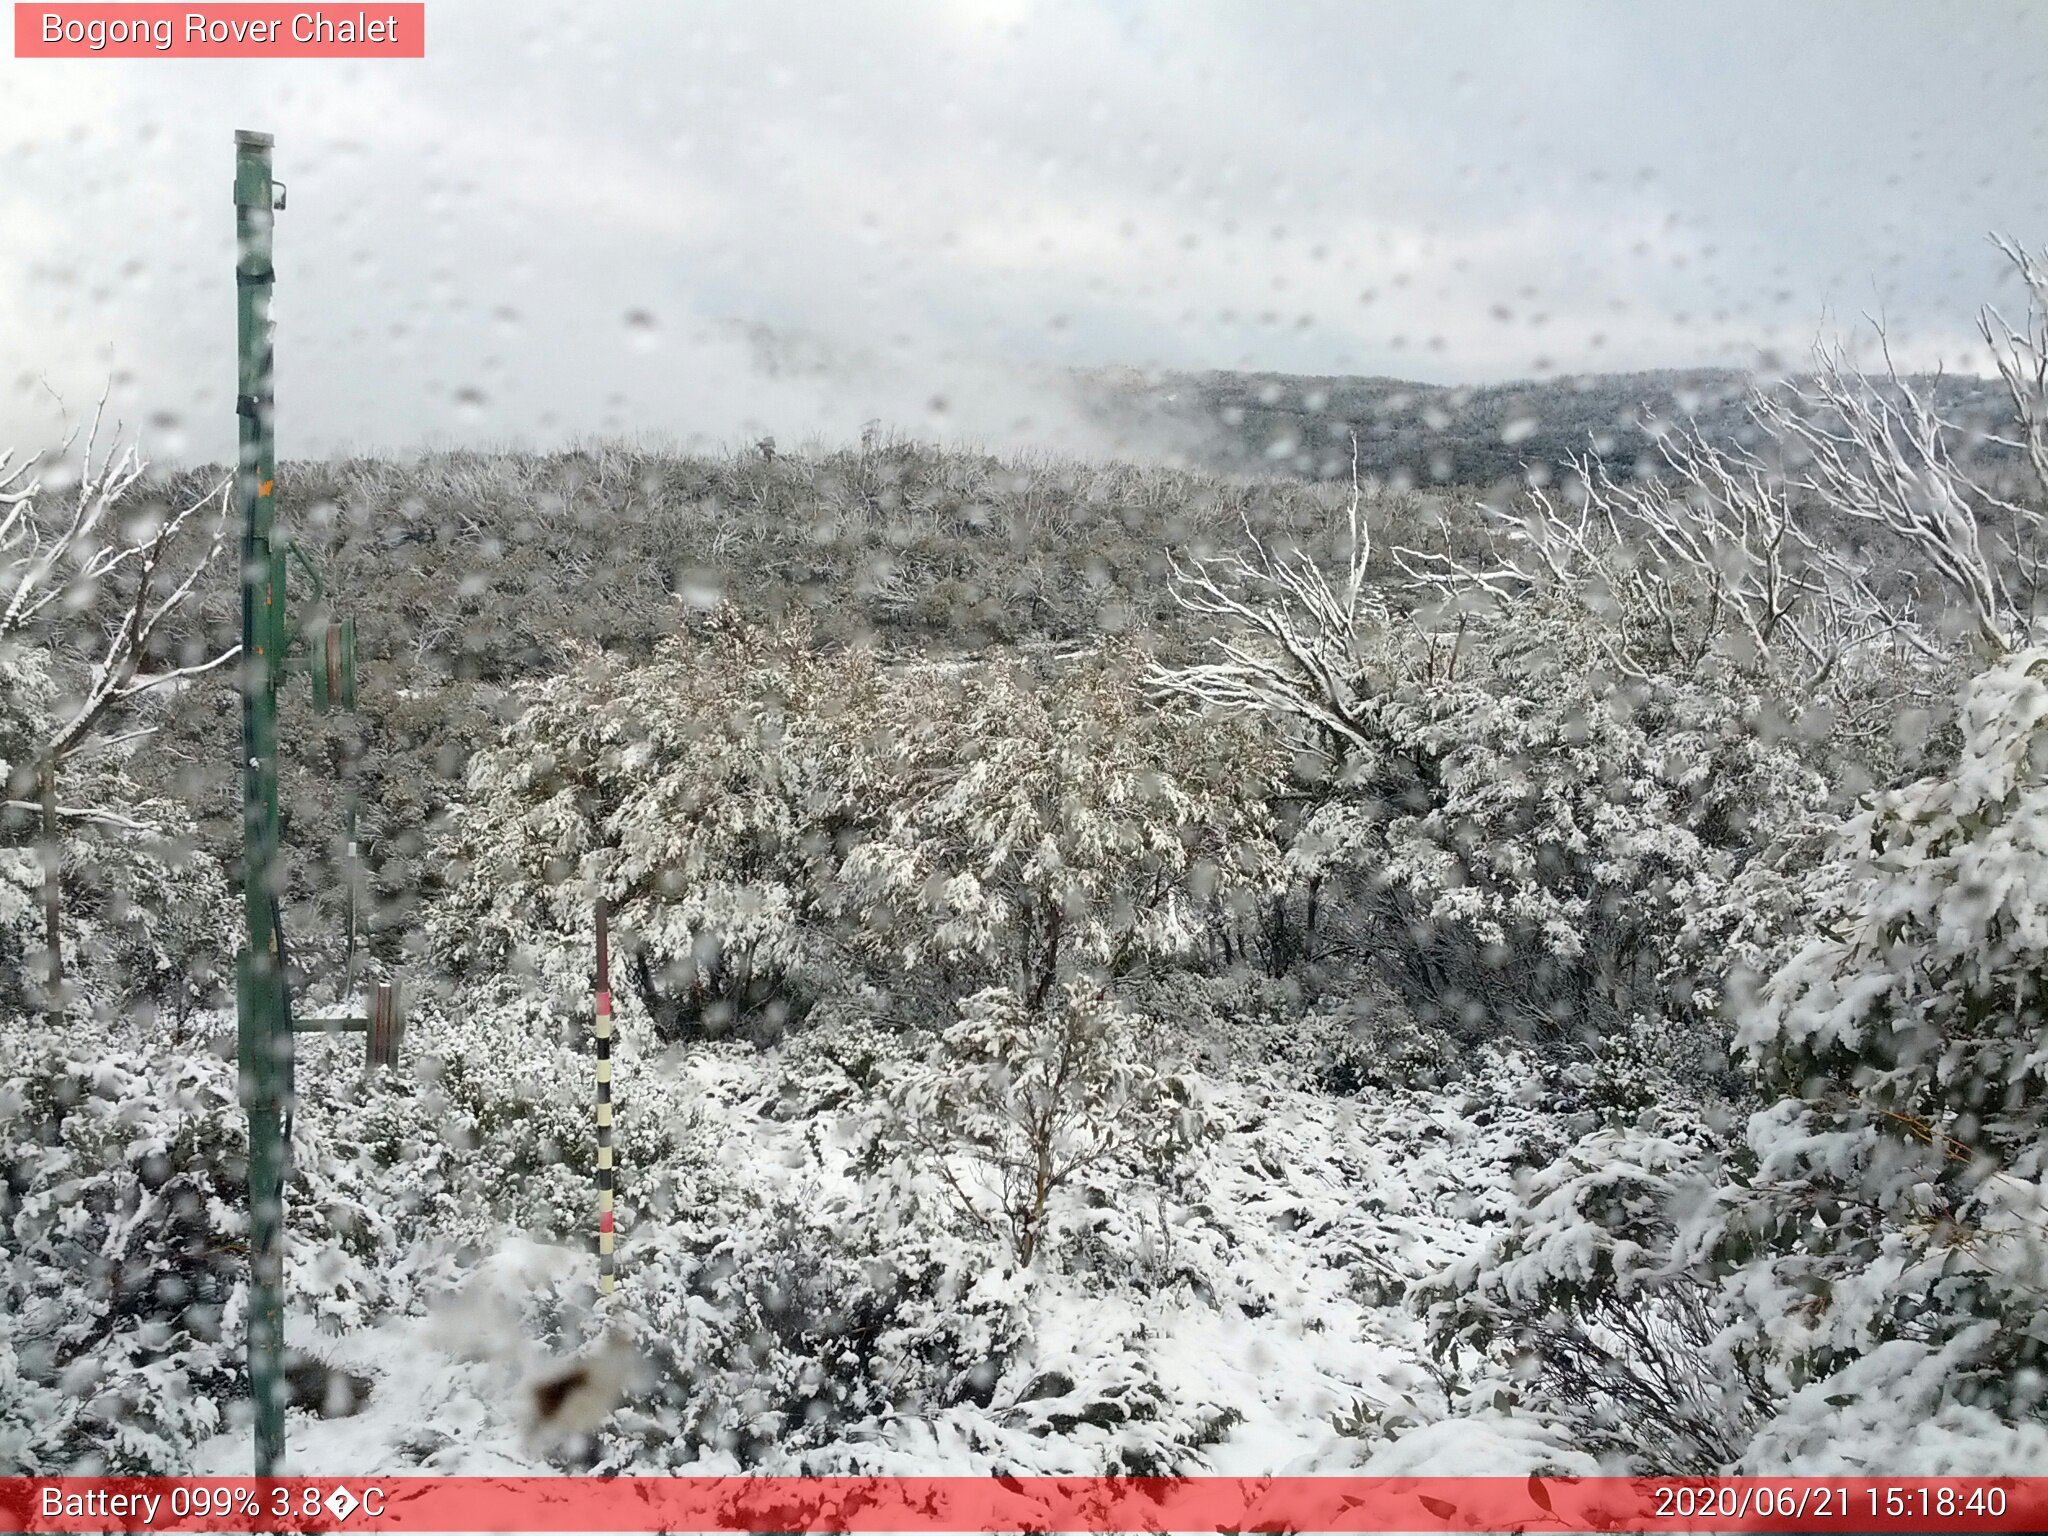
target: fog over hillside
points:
(1415, 434)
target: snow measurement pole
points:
(606, 1260)
(326, 653)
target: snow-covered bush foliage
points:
(124, 1220)
(699, 792)
(1020, 1102)
(1575, 1315)
(1861, 1267)
(780, 1331)
(123, 1225)
(1553, 850)
(1352, 1036)
(1896, 1220)
(27, 697)
(1047, 825)
(123, 1216)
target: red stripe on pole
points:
(604, 1222)
(961, 1504)
(604, 1002)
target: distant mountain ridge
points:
(1433, 434)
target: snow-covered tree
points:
(760, 813)
(132, 947)
(1558, 851)
(1045, 832)
(1899, 1204)
(1520, 829)
(89, 579)
(1039, 826)
(700, 793)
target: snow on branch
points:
(1738, 552)
(92, 815)
(1879, 451)
(2021, 355)
(1296, 639)
(1711, 555)
(58, 554)
(1728, 554)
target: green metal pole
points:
(264, 1012)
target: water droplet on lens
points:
(643, 329)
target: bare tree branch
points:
(62, 555)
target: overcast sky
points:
(700, 221)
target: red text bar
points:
(958, 1504)
(220, 31)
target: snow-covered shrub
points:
(123, 1208)
(124, 1230)
(1895, 1226)
(1019, 1104)
(1370, 1040)
(1354, 1036)
(827, 1339)
(1864, 1262)
(487, 1128)
(123, 1221)
(132, 947)
(1553, 850)
(698, 792)
(1045, 825)
(839, 1063)
(1575, 1316)
(775, 1333)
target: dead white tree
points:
(1294, 641)
(1727, 552)
(2021, 355)
(1710, 556)
(1879, 451)
(69, 555)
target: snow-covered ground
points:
(1249, 1322)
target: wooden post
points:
(385, 1027)
(606, 1259)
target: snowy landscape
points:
(1545, 985)
(1182, 892)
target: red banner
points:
(1353, 1504)
(221, 31)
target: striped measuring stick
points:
(606, 1261)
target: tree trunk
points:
(53, 892)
